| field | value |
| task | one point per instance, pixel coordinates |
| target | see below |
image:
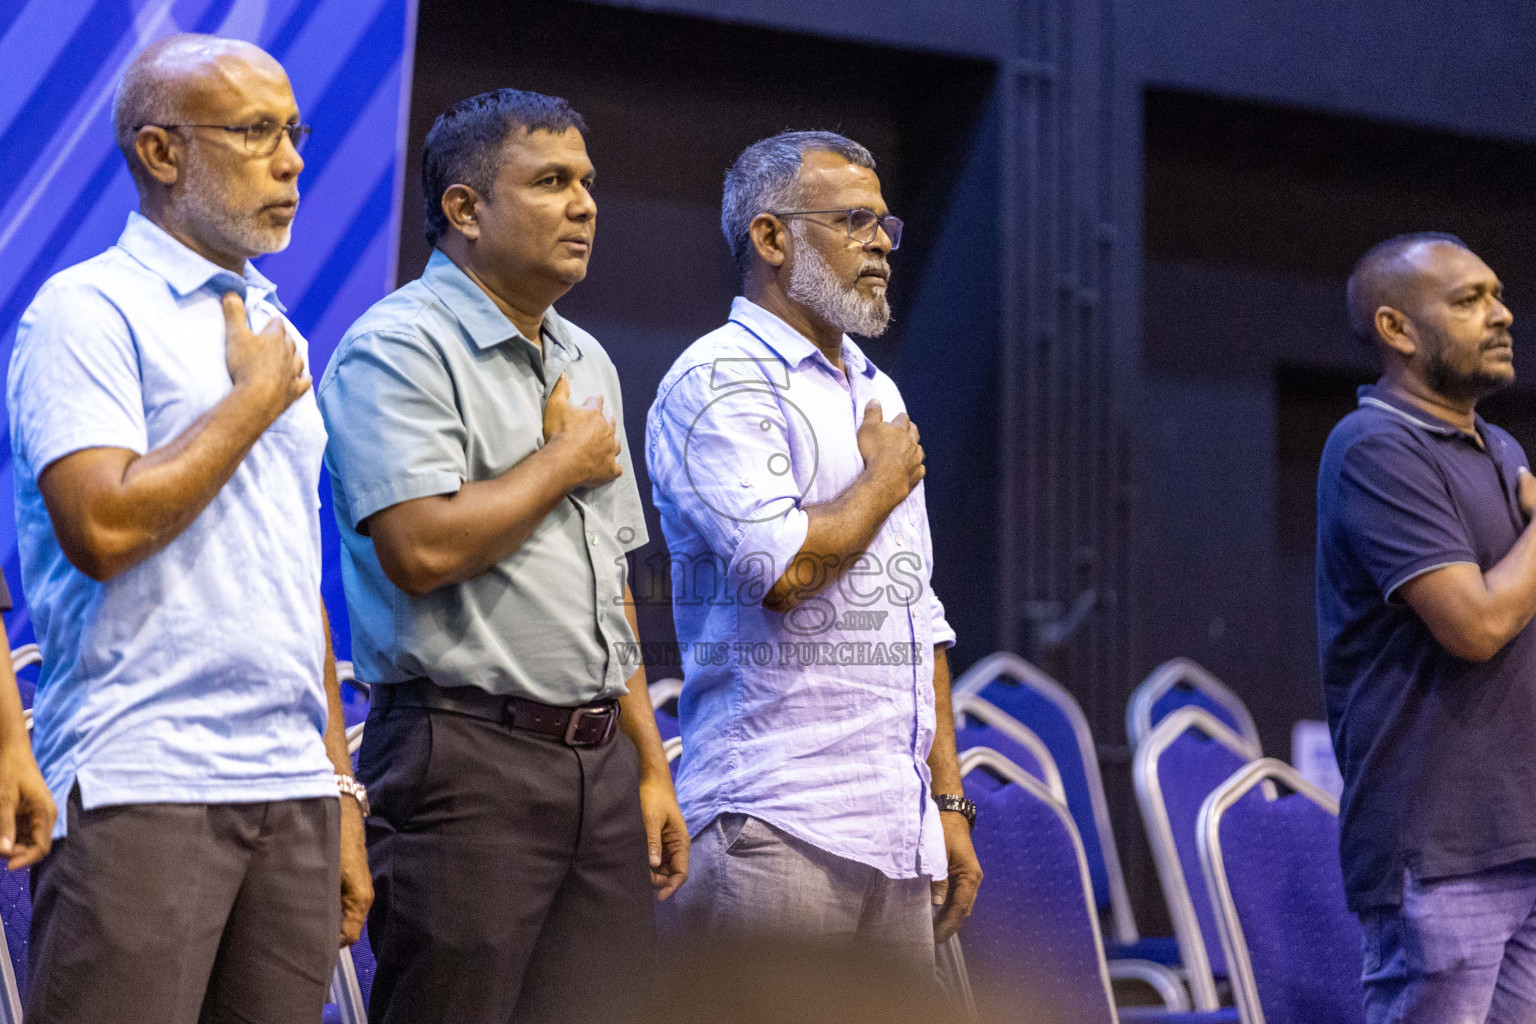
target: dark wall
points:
(1253, 217)
(970, 28)
(1461, 65)
(669, 102)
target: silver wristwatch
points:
(346, 785)
(958, 804)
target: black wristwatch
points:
(958, 804)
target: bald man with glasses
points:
(208, 856)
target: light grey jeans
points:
(745, 875)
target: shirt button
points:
(592, 539)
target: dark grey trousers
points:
(183, 913)
(509, 873)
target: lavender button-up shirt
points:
(818, 721)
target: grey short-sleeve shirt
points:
(433, 387)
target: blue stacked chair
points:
(1268, 842)
(1040, 703)
(16, 886)
(664, 694)
(16, 916)
(1179, 683)
(1033, 942)
(980, 723)
(1180, 763)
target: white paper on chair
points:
(1312, 756)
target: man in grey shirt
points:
(486, 501)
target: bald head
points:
(1386, 275)
(177, 79)
(211, 132)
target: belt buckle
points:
(580, 715)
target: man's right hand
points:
(891, 450)
(27, 811)
(1526, 483)
(266, 364)
(582, 435)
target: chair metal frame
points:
(10, 989)
(26, 656)
(1264, 772)
(346, 993)
(663, 690)
(1165, 854)
(346, 674)
(954, 979)
(22, 657)
(1138, 711)
(1006, 664)
(980, 708)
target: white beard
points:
(208, 209)
(813, 284)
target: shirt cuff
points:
(365, 501)
(764, 552)
(638, 539)
(940, 630)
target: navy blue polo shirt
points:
(1438, 754)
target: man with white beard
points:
(167, 451)
(819, 776)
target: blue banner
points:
(65, 191)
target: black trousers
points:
(179, 913)
(509, 872)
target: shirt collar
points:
(1381, 398)
(855, 359)
(184, 270)
(484, 322)
(792, 346)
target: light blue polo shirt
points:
(196, 675)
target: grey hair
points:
(766, 179)
(146, 94)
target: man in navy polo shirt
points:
(1426, 586)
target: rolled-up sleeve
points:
(717, 453)
(395, 430)
(74, 380)
(942, 633)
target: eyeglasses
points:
(261, 138)
(863, 224)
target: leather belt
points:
(587, 725)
